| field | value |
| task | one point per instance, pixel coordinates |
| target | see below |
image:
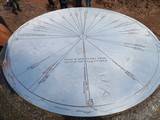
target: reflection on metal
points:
(83, 62)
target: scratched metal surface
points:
(83, 62)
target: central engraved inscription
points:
(88, 60)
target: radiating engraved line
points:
(85, 17)
(33, 66)
(68, 22)
(23, 38)
(37, 29)
(42, 35)
(106, 27)
(62, 33)
(96, 23)
(127, 23)
(53, 28)
(131, 31)
(46, 29)
(129, 74)
(63, 27)
(80, 16)
(92, 22)
(32, 25)
(89, 101)
(78, 20)
(104, 33)
(112, 23)
(74, 20)
(46, 73)
(136, 48)
(128, 45)
(34, 34)
(43, 60)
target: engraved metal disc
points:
(83, 62)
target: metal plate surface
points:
(83, 62)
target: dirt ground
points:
(145, 11)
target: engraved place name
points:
(83, 60)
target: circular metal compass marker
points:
(83, 62)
